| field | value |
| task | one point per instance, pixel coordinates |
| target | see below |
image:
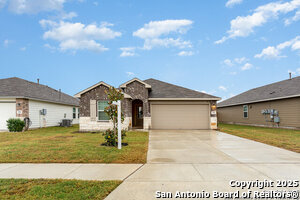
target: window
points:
(74, 113)
(101, 107)
(245, 111)
(140, 112)
(78, 113)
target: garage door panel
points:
(7, 110)
(180, 116)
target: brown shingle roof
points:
(283, 89)
(17, 87)
(160, 89)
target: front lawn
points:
(284, 138)
(66, 145)
(55, 189)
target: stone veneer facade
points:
(98, 94)
(22, 108)
(138, 90)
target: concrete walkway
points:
(205, 160)
(68, 171)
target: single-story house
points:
(149, 104)
(273, 105)
(43, 105)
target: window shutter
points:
(93, 110)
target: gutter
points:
(182, 99)
(37, 99)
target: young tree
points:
(113, 94)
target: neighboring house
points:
(274, 105)
(43, 105)
(149, 104)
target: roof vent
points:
(290, 73)
(38, 81)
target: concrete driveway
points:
(197, 160)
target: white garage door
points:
(180, 116)
(7, 110)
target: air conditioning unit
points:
(43, 112)
(66, 122)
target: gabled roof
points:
(135, 79)
(280, 90)
(165, 91)
(92, 87)
(20, 88)
(96, 85)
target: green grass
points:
(283, 138)
(66, 145)
(55, 189)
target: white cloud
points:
(246, 66)
(69, 15)
(23, 48)
(269, 52)
(231, 3)
(235, 61)
(185, 53)
(223, 88)
(155, 29)
(275, 51)
(130, 74)
(233, 73)
(127, 51)
(90, 45)
(295, 18)
(78, 36)
(153, 33)
(34, 6)
(296, 45)
(228, 62)
(96, 3)
(243, 26)
(240, 60)
(166, 42)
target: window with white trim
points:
(102, 116)
(245, 111)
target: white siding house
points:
(24, 99)
(55, 113)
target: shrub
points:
(111, 139)
(15, 125)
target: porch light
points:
(213, 107)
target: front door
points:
(137, 114)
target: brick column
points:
(22, 108)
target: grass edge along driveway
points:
(67, 145)
(48, 189)
(284, 138)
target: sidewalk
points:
(98, 172)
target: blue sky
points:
(220, 47)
